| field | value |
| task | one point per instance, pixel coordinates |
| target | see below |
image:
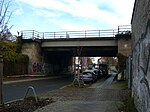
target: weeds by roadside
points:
(27, 105)
(128, 105)
(128, 102)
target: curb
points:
(7, 103)
(34, 79)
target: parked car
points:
(96, 71)
(88, 76)
(90, 67)
(101, 74)
(103, 69)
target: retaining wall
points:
(141, 55)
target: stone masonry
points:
(141, 54)
(124, 46)
(33, 50)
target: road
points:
(15, 91)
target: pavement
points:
(102, 96)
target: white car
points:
(88, 76)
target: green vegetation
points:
(31, 98)
(124, 35)
(128, 105)
(89, 61)
(128, 101)
(121, 84)
(8, 50)
(121, 62)
(14, 62)
(19, 44)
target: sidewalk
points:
(106, 98)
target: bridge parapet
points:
(32, 34)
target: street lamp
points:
(1, 84)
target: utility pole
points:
(1, 84)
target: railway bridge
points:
(53, 52)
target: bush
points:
(14, 62)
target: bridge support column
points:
(32, 48)
(124, 46)
(124, 51)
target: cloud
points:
(84, 8)
(103, 12)
(46, 13)
(71, 26)
(18, 11)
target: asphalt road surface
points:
(17, 90)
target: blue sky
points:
(69, 15)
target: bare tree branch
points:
(1, 9)
(5, 16)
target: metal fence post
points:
(85, 34)
(1, 84)
(118, 30)
(99, 33)
(43, 35)
(54, 35)
(33, 34)
(113, 34)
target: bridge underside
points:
(97, 51)
(56, 55)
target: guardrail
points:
(31, 34)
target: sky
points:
(69, 15)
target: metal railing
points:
(32, 34)
(34, 93)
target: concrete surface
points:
(97, 98)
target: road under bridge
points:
(56, 54)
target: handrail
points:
(32, 34)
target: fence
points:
(129, 71)
(11, 68)
(32, 34)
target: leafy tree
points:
(19, 44)
(89, 61)
(9, 51)
(14, 62)
(121, 61)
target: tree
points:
(4, 33)
(19, 44)
(5, 16)
(89, 61)
(121, 61)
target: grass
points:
(128, 101)
(32, 98)
(128, 105)
(123, 84)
